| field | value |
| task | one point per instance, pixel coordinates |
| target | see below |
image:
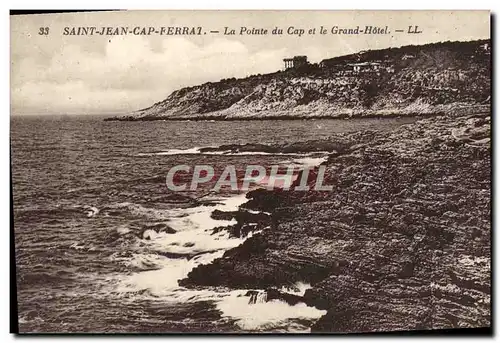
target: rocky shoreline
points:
(401, 243)
(285, 117)
(323, 113)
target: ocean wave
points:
(30, 317)
(156, 274)
(51, 213)
(299, 288)
(144, 261)
(201, 151)
(162, 282)
(46, 278)
(191, 151)
(306, 161)
(91, 211)
(191, 240)
(56, 213)
(268, 315)
(129, 208)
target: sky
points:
(63, 74)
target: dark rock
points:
(401, 243)
(290, 299)
(158, 228)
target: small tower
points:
(295, 62)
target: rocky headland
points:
(431, 79)
(401, 243)
(403, 240)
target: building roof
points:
(363, 64)
(295, 58)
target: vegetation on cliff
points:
(411, 80)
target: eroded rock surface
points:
(401, 243)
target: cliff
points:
(411, 80)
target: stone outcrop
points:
(401, 243)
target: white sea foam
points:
(190, 151)
(257, 212)
(163, 282)
(194, 235)
(194, 228)
(197, 151)
(139, 210)
(145, 261)
(91, 210)
(195, 241)
(299, 288)
(77, 246)
(200, 217)
(306, 161)
(266, 315)
(122, 230)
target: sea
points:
(88, 198)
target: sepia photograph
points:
(256, 171)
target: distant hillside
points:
(411, 80)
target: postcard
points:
(251, 171)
